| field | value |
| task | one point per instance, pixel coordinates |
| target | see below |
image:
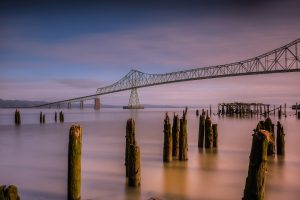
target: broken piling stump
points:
(134, 163)
(269, 126)
(44, 118)
(17, 117)
(183, 139)
(255, 182)
(280, 143)
(167, 154)
(9, 193)
(208, 133)
(130, 139)
(175, 136)
(215, 135)
(74, 162)
(201, 131)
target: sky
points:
(55, 50)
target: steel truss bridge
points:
(280, 60)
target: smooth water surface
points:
(34, 157)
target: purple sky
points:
(56, 50)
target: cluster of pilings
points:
(263, 144)
(246, 109)
(132, 156)
(9, 193)
(207, 132)
(175, 138)
(42, 117)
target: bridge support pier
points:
(69, 105)
(97, 103)
(134, 102)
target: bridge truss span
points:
(283, 59)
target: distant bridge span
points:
(281, 60)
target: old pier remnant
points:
(134, 163)
(183, 139)
(208, 133)
(130, 139)
(9, 193)
(215, 135)
(175, 136)
(280, 140)
(74, 162)
(242, 109)
(17, 117)
(201, 130)
(167, 154)
(255, 182)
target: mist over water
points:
(34, 157)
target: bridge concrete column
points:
(69, 105)
(97, 103)
(81, 104)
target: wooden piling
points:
(55, 117)
(44, 118)
(208, 133)
(17, 117)
(175, 136)
(209, 109)
(197, 112)
(215, 135)
(279, 112)
(255, 182)
(296, 109)
(280, 143)
(41, 117)
(9, 193)
(183, 142)
(130, 139)
(167, 154)
(269, 126)
(134, 163)
(74, 162)
(201, 131)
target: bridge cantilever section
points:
(280, 60)
(283, 59)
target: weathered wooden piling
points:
(130, 139)
(41, 117)
(197, 112)
(201, 131)
(209, 109)
(55, 117)
(280, 143)
(17, 117)
(167, 153)
(215, 135)
(134, 163)
(183, 139)
(269, 126)
(61, 117)
(9, 193)
(44, 118)
(74, 162)
(255, 182)
(279, 112)
(208, 133)
(175, 136)
(298, 115)
(296, 109)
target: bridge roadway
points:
(281, 60)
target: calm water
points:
(34, 157)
